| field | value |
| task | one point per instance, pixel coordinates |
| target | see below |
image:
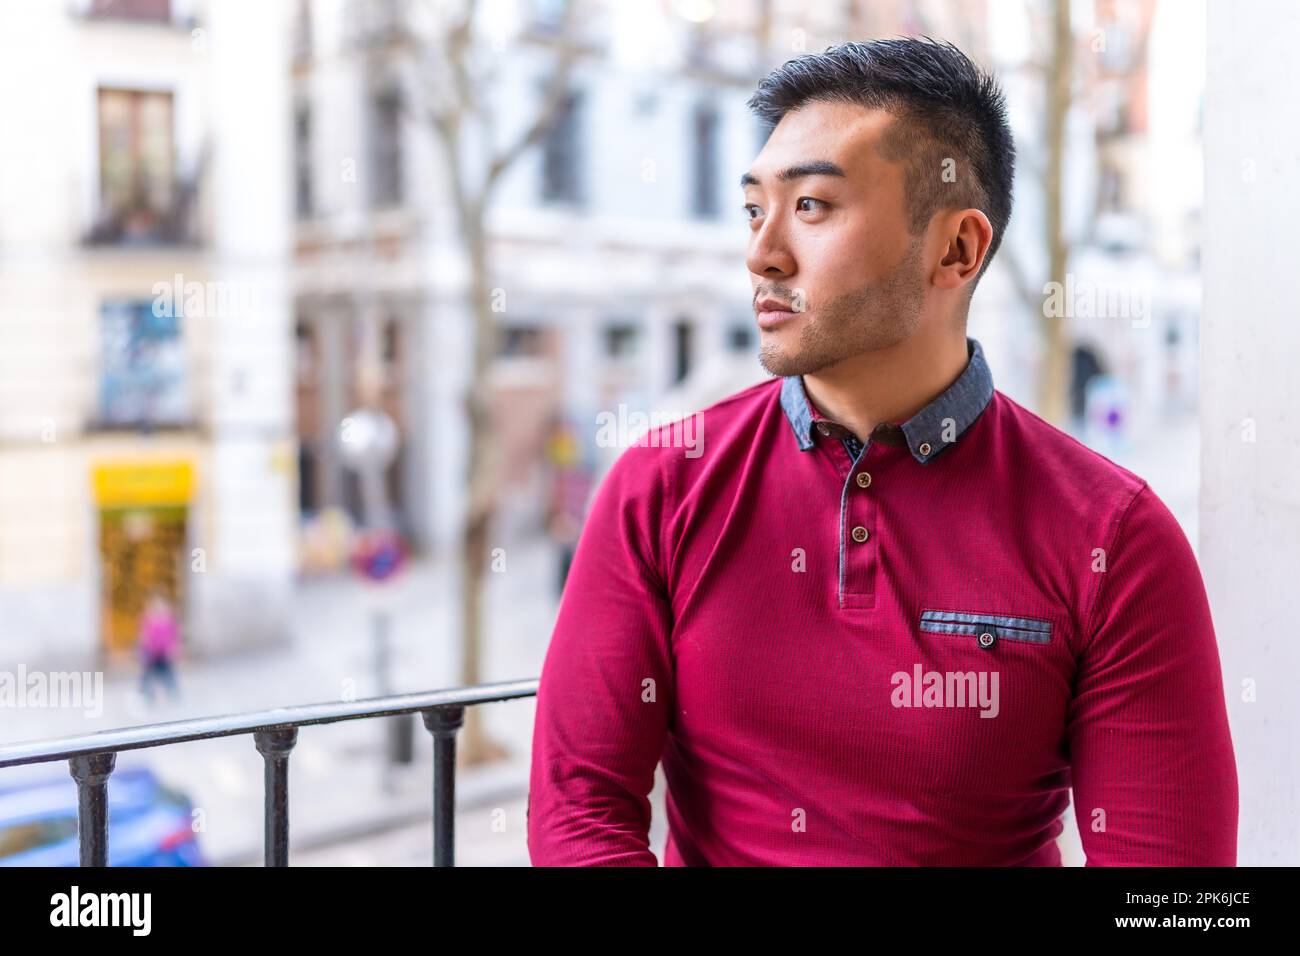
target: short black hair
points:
(946, 107)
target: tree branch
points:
(557, 90)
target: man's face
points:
(834, 248)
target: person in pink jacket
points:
(159, 642)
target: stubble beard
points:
(873, 317)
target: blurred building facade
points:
(616, 243)
(614, 262)
(1131, 192)
(288, 177)
(145, 402)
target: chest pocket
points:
(987, 629)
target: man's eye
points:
(751, 211)
(808, 199)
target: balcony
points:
(156, 12)
(172, 223)
(92, 757)
(140, 210)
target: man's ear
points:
(967, 236)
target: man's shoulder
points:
(1057, 456)
(655, 468)
(1087, 492)
(1083, 495)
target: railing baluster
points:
(443, 723)
(91, 771)
(274, 746)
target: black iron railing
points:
(91, 757)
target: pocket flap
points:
(1005, 626)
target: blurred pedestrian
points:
(571, 483)
(159, 643)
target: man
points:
(889, 616)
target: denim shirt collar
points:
(962, 402)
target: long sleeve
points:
(606, 686)
(1153, 769)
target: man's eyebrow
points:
(820, 167)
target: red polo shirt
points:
(903, 652)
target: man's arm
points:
(606, 688)
(1155, 778)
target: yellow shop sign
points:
(143, 483)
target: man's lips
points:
(771, 313)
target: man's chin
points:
(782, 362)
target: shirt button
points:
(986, 639)
(864, 479)
(859, 534)
(823, 429)
(925, 448)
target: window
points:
(621, 340)
(302, 32)
(143, 379)
(683, 348)
(392, 339)
(1117, 53)
(740, 338)
(561, 159)
(704, 161)
(546, 16)
(701, 46)
(1110, 187)
(136, 166)
(376, 22)
(519, 341)
(302, 160)
(154, 10)
(645, 102)
(386, 148)
(308, 358)
(1086, 366)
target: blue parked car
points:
(148, 824)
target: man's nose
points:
(769, 253)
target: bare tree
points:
(1054, 62)
(453, 66)
(1053, 380)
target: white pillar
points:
(1250, 431)
(581, 360)
(447, 360)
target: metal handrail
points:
(92, 757)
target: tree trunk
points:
(475, 745)
(1053, 382)
(471, 202)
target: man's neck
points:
(888, 385)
